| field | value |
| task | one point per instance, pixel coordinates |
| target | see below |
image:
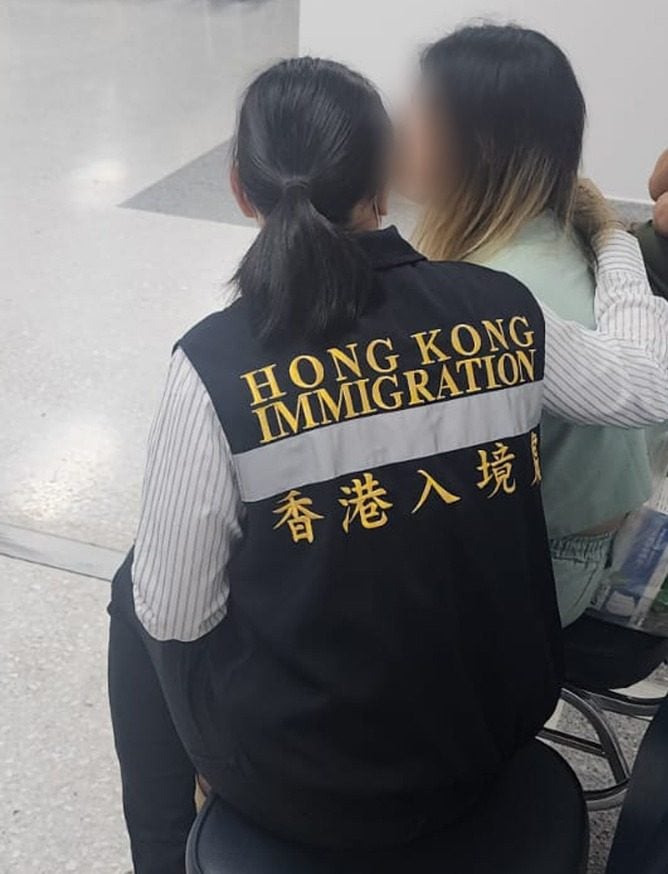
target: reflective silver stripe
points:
(387, 438)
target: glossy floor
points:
(101, 101)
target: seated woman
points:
(492, 149)
(342, 531)
(653, 236)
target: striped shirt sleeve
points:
(190, 515)
(617, 374)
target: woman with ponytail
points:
(320, 279)
(345, 465)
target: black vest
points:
(392, 636)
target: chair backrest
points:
(533, 818)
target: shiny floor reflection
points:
(102, 99)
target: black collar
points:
(387, 248)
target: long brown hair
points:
(518, 114)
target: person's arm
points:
(190, 514)
(617, 374)
(658, 183)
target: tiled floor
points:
(117, 232)
(60, 805)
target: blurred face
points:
(424, 165)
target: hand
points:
(658, 184)
(660, 218)
(593, 212)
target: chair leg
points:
(608, 748)
(610, 798)
(626, 705)
(605, 732)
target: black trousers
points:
(157, 776)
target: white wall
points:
(619, 49)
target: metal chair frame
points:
(594, 706)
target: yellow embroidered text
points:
(297, 515)
(535, 457)
(432, 485)
(498, 472)
(365, 500)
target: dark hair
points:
(310, 145)
(518, 117)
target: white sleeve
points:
(618, 373)
(190, 514)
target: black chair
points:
(641, 840)
(532, 821)
(601, 657)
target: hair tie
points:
(293, 184)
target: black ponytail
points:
(310, 146)
(303, 275)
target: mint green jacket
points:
(590, 474)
